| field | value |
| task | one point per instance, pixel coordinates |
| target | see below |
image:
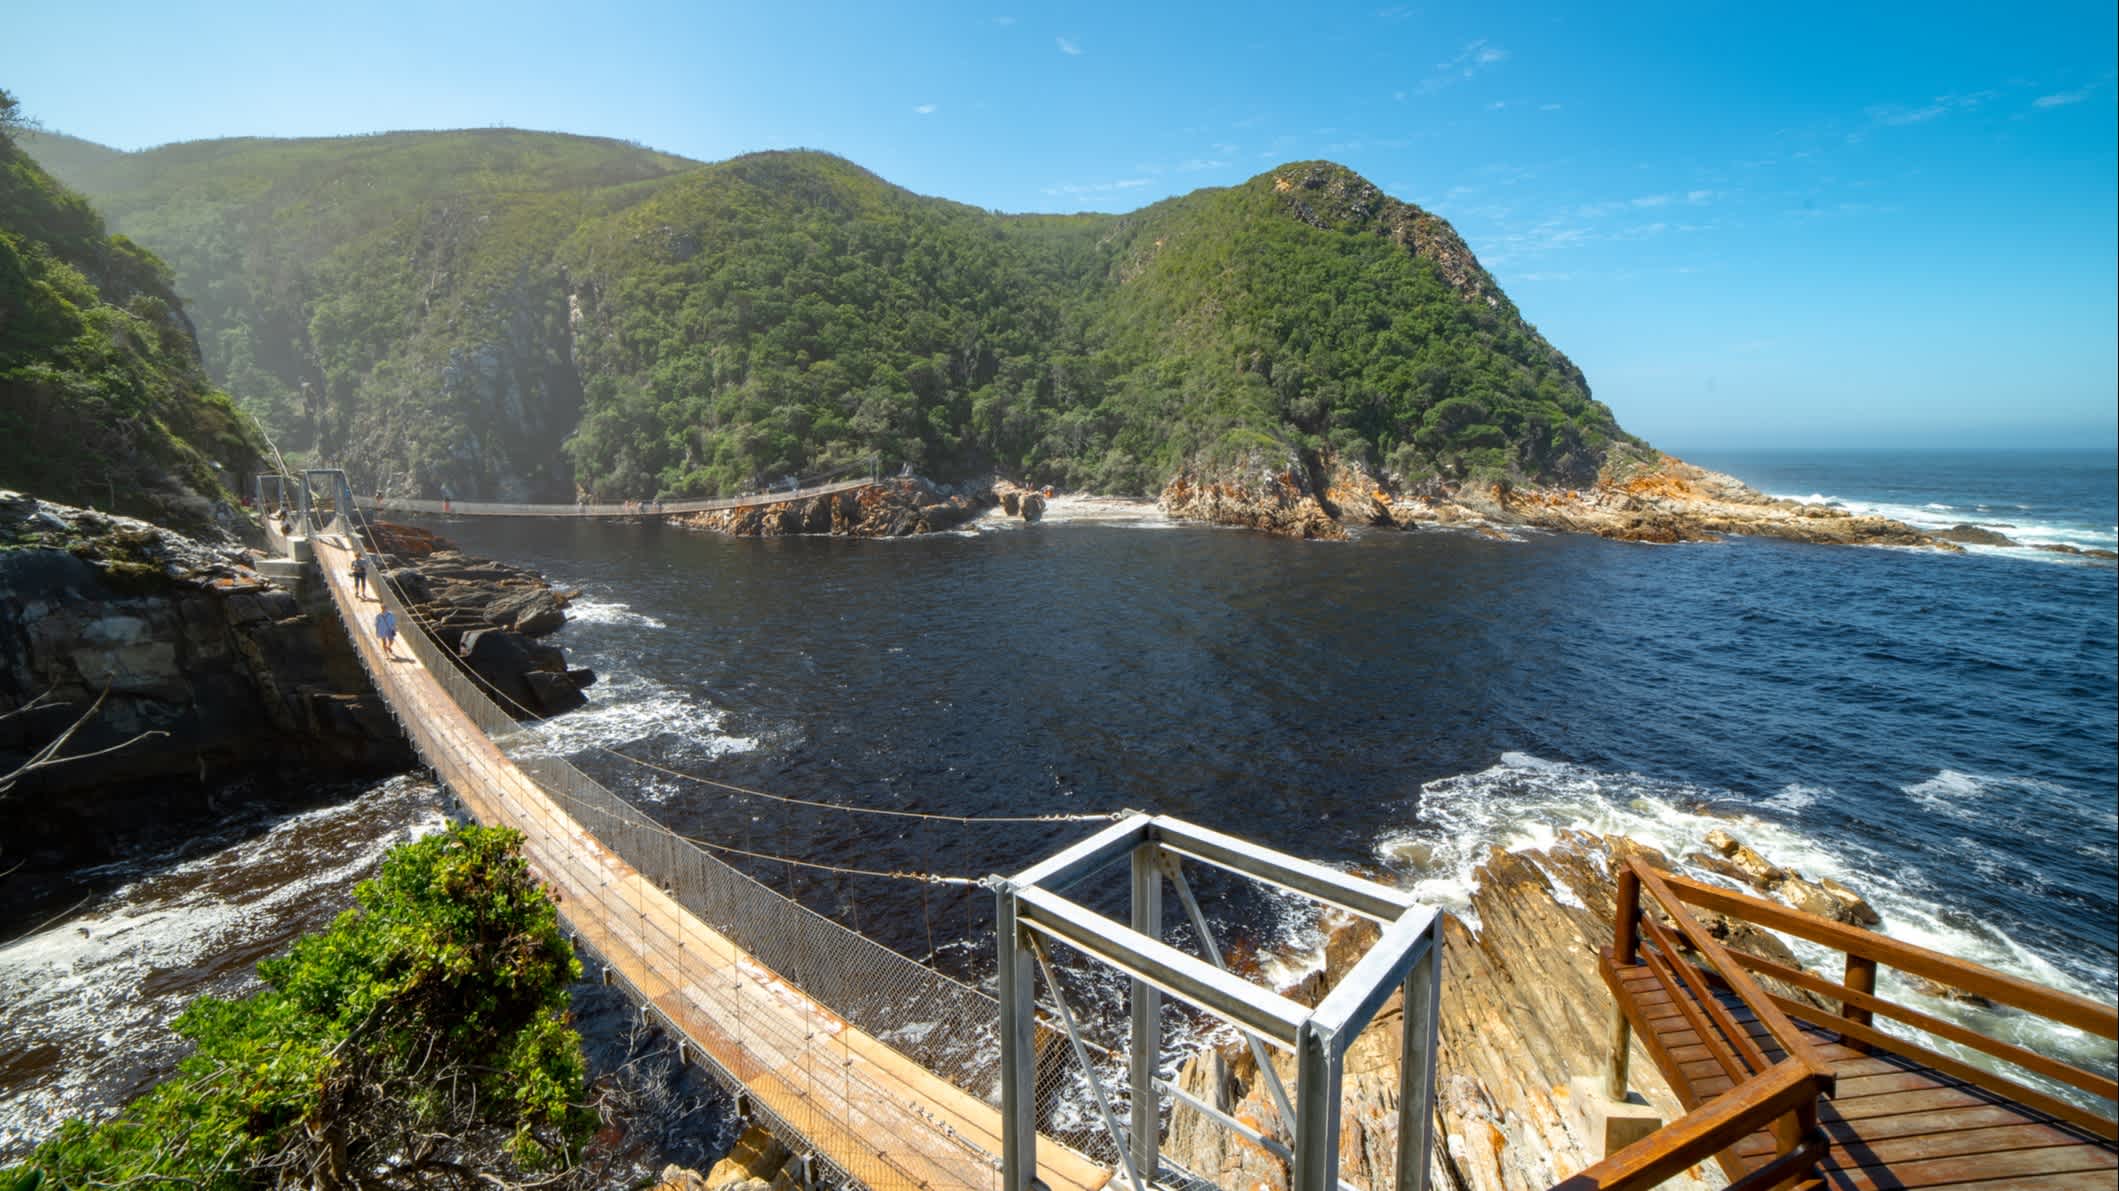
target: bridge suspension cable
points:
(536, 720)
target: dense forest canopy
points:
(103, 400)
(514, 314)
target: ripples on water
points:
(1936, 731)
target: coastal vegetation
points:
(103, 397)
(507, 314)
(422, 1038)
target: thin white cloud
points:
(1200, 163)
(1069, 46)
(1651, 200)
(1399, 96)
(1469, 61)
(2061, 99)
(1549, 107)
(1004, 22)
(1893, 115)
(925, 109)
(1698, 196)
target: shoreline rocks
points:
(1525, 1022)
(1638, 498)
(489, 613)
(892, 508)
(253, 698)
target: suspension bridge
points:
(881, 1072)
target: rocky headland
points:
(216, 691)
(1638, 496)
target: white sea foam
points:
(627, 710)
(2028, 532)
(1522, 803)
(103, 985)
(590, 610)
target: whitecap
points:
(590, 610)
(628, 710)
(1524, 802)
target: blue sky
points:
(1751, 225)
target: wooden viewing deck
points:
(869, 1110)
(1835, 1102)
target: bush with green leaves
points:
(421, 1039)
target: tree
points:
(421, 1039)
(12, 120)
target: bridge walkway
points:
(867, 1108)
(668, 508)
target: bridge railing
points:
(940, 1024)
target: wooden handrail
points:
(1785, 1034)
(2029, 1060)
(1713, 1127)
(2001, 988)
(2030, 1098)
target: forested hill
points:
(512, 314)
(103, 400)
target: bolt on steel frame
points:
(1407, 955)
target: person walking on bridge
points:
(386, 631)
(360, 576)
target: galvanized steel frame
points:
(1406, 957)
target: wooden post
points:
(1625, 951)
(1861, 978)
(1616, 1063)
(1626, 937)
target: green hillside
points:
(509, 314)
(103, 400)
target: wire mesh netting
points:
(793, 955)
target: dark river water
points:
(1937, 731)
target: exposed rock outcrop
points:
(1261, 489)
(1640, 497)
(892, 508)
(253, 695)
(490, 613)
(1525, 1020)
(235, 674)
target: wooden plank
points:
(1955, 1171)
(868, 1108)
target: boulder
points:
(1974, 535)
(758, 1158)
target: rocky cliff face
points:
(232, 674)
(221, 693)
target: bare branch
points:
(48, 757)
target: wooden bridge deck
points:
(867, 1108)
(1891, 1122)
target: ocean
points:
(1937, 731)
